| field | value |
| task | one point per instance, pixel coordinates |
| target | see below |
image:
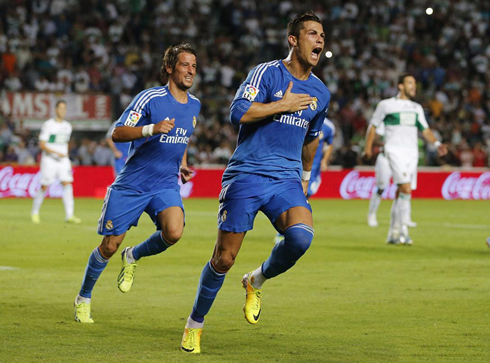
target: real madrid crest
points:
(314, 105)
(109, 225)
(223, 216)
(194, 121)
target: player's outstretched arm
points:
(429, 136)
(290, 102)
(128, 133)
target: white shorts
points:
(403, 165)
(52, 169)
(382, 171)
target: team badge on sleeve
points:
(250, 92)
(194, 121)
(132, 119)
(314, 104)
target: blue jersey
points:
(272, 147)
(326, 137)
(153, 163)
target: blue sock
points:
(96, 264)
(154, 245)
(297, 239)
(209, 285)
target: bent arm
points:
(308, 153)
(259, 111)
(371, 134)
(127, 133)
(45, 148)
(429, 136)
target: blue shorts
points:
(243, 198)
(123, 207)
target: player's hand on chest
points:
(294, 102)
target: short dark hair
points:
(171, 55)
(58, 103)
(295, 25)
(401, 77)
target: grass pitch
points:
(351, 298)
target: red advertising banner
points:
(90, 112)
(92, 181)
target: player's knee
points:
(224, 262)
(298, 238)
(109, 246)
(172, 234)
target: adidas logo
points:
(278, 94)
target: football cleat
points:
(372, 220)
(73, 220)
(126, 276)
(191, 340)
(252, 307)
(412, 224)
(83, 313)
(405, 237)
(393, 237)
(35, 218)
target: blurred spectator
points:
(103, 154)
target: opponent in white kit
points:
(383, 176)
(55, 164)
(402, 119)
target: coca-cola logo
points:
(14, 184)
(356, 186)
(458, 187)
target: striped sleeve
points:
(138, 110)
(254, 89)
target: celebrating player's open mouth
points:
(315, 53)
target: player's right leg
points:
(403, 204)
(212, 278)
(49, 172)
(96, 264)
(37, 202)
(120, 211)
(238, 207)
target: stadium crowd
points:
(115, 47)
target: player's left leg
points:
(403, 205)
(66, 178)
(167, 211)
(69, 204)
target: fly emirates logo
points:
(292, 119)
(179, 137)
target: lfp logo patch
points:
(132, 119)
(250, 92)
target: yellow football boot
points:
(83, 313)
(252, 307)
(126, 276)
(191, 340)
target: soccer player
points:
(383, 176)
(158, 123)
(119, 149)
(280, 109)
(402, 118)
(55, 163)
